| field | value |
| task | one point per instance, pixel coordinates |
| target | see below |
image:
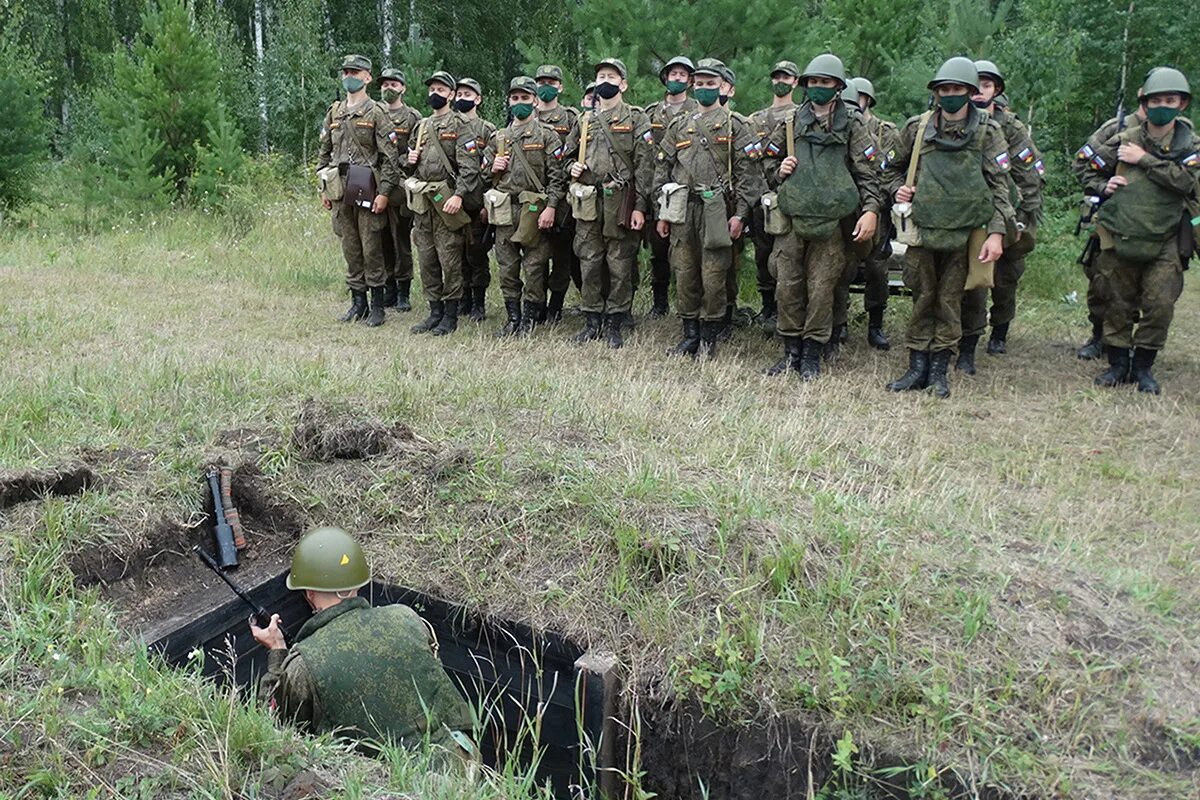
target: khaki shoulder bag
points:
(775, 222)
(903, 224)
(532, 205)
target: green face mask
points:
(676, 87)
(820, 95)
(1161, 115)
(953, 103)
(782, 89)
(706, 97)
(352, 84)
(522, 110)
(390, 95)
(547, 93)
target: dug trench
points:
(505, 668)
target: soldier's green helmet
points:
(826, 65)
(988, 69)
(864, 86)
(1166, 80)
(328, 560)
(960, 70)
(850, 94)
(677, 61)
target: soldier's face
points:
(396, 86)
(467, 94)
(950, 89)
(783, 77)
(864, 101)
(679, 74)
(823, 82)
(519, 96)
(987, 91)
(361, 74)
(442, 89)
(1166, 101)
(550, 82)
(610, 75)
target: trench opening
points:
(24, 487)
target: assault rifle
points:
(261, 618)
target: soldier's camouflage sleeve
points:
(406, 168)
(389, 159)
(864, 167)
(664, 161)
(466, 159)
(643, 160)
(489, 156)
(289, 688)
(995, 172)
(748, 183)
(896, 171)
(1176, 177)
(774, 150)
(1081, 164)
(325, 150)
(556, 170)
(1026, 161)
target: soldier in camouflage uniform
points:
(619, 162)
(676, 78)
(785, 75)
(715, 157)
(369, 675)
(397, 239)
(449, 152)
(961, 185)
(564, 264)
(477, 273)
(531, 162)
(1150, 175)
(355, 131)
(830, 192)
(1025, 192)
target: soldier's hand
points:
(993, 248)
(380, 205)
(787, 166)
(546, 219)
(270, 637)
(325, 201)
(864, 229)
(413, 155)
(453, 204)
(663, 228)
(637, 221)
(905, 194)
(735, 228)
(577, 169)
(1131, 153)
(501, 163)
(1114, 183)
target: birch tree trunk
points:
(259, 21)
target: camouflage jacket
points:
(459, 139)
(360, 135)
(540, 148)
(662, 113)
(404, 123)
(630, 157)
(563, 119)
(1026, 162)
(711, 148)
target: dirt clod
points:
(324, 434)
(21, 487)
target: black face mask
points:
(437, 101)
(724, 99)
(607, 90)
(463, 105)
(981, 104)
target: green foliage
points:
(218, 164)
(24, 141)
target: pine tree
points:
(24, 133)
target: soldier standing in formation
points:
(477, 273)
(564, 264)
(397, 239)
(356, 132)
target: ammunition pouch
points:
(437, 194)
(716, 219)
(414, 194)
(907, 232)
(618, 208)
(775, 222)
(498, 206)
(329, 183)
(532, 205)
(583, 202)
(980, 274)
(672, 203)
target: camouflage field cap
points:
(442, 77)
(551, 71)
(328, 560)
(710, 66)
(393, 74)
(355, 61)
(615, 63)
(787, 68)
(469, 83)
(522, 83)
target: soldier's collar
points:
(328, 615)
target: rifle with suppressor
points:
(261, 618)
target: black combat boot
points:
(375, 318)
(661, 306)
(513, 309)
(689, 345)
(555, 308)
(810, 359)
(389, 293)
(449, 323)
(792, 348)
(1093, 348)
(358, 307)
(532, 315)
(875, 335)
(726, 331)
(591, 328)
(1118, 368)
(833, 348)
(966, 355)
(709, 333)
(770, 312)
(402, 301)
(1143, 361)
(478, 313)
(917, 376)
(612, 330)
(467, 301)
(939, 381)
(998, 342)
(436, 310)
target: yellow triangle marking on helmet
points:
(345, 559)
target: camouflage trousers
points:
(1097, 300)
(361, 233)
(1146, 287)
(807, 275)
(936, 278)
(701, 274)
(523, 268)
(1008, 272)
(660, 253)
(564, 264)
(440, 255)
(764, 243)
(477, 270)
(605, 262)
(397, 245)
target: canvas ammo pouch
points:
(414, 192)
(437, 194)
(775, 222)
(583, 201)
(498, 205)
(716, 219)
(618, 209)
(980, 274)
(532, 205)
(329, 183)
(672, 203)
(360, 186)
